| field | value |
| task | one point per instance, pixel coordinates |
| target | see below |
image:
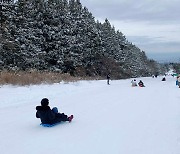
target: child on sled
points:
(50, 116)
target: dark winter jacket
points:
(164, 79)
(46, 115)
(141, 84)
(108, 76)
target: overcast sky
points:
(152, 25)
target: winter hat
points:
(44, 102)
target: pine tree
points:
(62, 35)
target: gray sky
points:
(152, 25)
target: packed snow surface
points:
(108, 119)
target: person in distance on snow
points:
(108, 78)
(49, 116)
(141, 84)
(133, 82)
(163, 79)
(178, 80)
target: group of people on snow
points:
(134, 84)
(154, 76)
(52, 116)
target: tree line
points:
(63, 36)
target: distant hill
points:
(165, 57)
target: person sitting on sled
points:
(49, 116)
(163, 79)
(141, 84)
(133, 82)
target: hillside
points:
(108, 119)
(63, 36)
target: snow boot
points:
(70, 118)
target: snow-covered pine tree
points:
(62, 35)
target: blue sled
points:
(49, 125)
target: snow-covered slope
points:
(114, 119)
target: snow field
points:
(114, 118)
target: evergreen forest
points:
(63, 36)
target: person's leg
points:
(62, 117)
(65, 117)
(108, 81)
